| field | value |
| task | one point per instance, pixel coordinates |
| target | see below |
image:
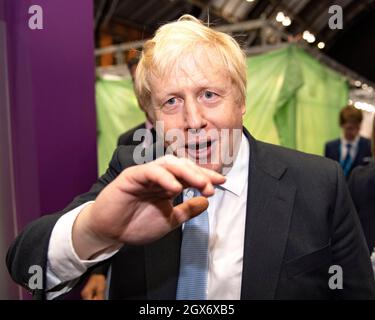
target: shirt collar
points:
(238, 175)
(148, 124)
(353, 143)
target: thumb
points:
(188, 210)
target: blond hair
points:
(174, 40)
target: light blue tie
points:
(192, 280)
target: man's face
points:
(198, 98)
(350, 130)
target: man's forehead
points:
(179, 86)
(185, 76)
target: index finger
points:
(192, 175)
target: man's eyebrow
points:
(164, 95)
(161, 97)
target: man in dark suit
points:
(351, 149)
(362, 190)
(238, 219)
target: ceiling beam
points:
(241, 26)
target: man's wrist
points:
(86, 243)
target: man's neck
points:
(353, 141)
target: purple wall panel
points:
(54, 84)
(8, 290)
(51, 75)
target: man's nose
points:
(194, 118)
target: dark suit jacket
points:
(300, 220)
(362, 189)
(127, 138)
(332, 151)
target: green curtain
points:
(117, 111)
(292, 100)
(320, 100)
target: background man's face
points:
(198, 94)
(350, 130)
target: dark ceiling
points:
(353, 46)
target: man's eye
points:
(171, 101)
(209, 94)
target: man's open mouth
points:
(199, 149)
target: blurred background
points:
(66, 91)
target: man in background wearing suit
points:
(351, 149)
(222, 216)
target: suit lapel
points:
(162, 263)
(269, 207)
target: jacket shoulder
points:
(299, 164)
(123, 157)
(365, 141)
(127, 137)
(367, 171)
(291, 155)
(332, 143)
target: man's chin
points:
(212, 166)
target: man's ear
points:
(243, 108)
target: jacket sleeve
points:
(30, 248)
(101, 269)
(349, 249)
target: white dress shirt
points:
(227, 215)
